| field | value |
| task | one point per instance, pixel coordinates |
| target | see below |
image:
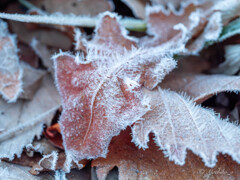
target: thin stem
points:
(69, 20)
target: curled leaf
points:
(101, 94)
(201, 87)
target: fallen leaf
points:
(135, 163)
(44, 53)
(32, 79)
(53, 134)
(10, 70)
(192, 64)
(83, 7)
(178, 124)
(101, 94)
(26, 119)
(27, 55)
(193, 25)
(201, 87)
(12, 171)
(171, 27)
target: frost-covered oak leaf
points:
(134, 163)
(10, 70)
(20, 122)
(178, 124)
(201, 87)
(101, 93)
(194, 24)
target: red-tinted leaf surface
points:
(201, 87)
(10, 70)
(101, 94)
(192, 25)
(134, 163)
(53, 133)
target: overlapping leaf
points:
(178, 124)
(101, 94)
(201, 87)
(134, 163)
(22, 121)
(10, 70)
(192, 26)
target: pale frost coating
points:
(178, 124)
(10, 70)
(101, 92)
(24, 120)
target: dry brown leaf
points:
(44, 53)
(10, 70)
(178, 124)
(192, 64)
(134, 163)
(171, 27)
(82, 7)
(22, 121)
(31, 81)
(101, 92)
(27, 55)
(201, 87)
(193, 25)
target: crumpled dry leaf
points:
(10, 70)
(32, 79)
(101, 94)
(82, 7)
(193, 25)
(22, 121)
(201, 87)
(135, 163)
(171, 27)
(178, 124)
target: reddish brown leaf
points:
(192, 26)
(201, 87)
(53, 133)
(101, 94)
(134, 163)
(10, 70)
